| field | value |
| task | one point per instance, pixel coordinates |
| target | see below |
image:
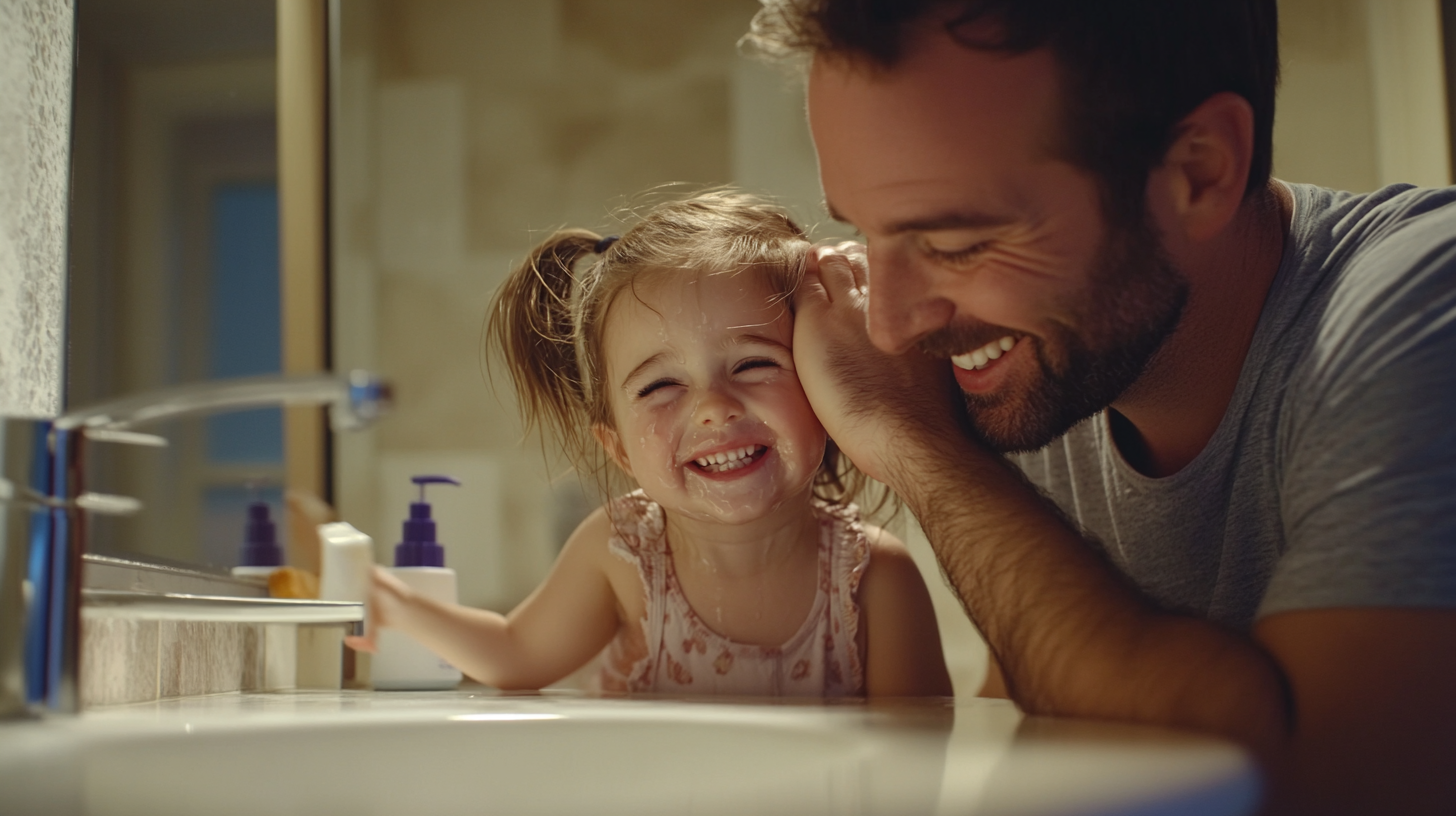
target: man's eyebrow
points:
(947, 221)
(935, 222)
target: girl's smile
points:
(732, 461)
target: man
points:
(1201, 471)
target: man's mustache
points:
(962, 337)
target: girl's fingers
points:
(380, 584)
(836, 272)
(858, 261)
(811, 288)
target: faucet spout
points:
(355, 401)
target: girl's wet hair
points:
(548, 318)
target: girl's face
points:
(710, 418)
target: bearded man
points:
(1182, 436)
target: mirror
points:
(174, 270)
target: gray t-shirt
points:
(1331, 481)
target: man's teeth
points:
(982, 357)
(728, 460)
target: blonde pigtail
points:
(533, 327)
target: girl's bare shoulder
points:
(891, 568)
(591, 543)
(883, 542)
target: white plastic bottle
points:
(401, 662)
(345, 559)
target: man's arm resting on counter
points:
(1350, 710)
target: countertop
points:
(480, 751)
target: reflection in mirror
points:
(174, 258)
(462, 132)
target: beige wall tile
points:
(280, 656)
(201, 657)
(118, 660)
(320, 656)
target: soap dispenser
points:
(402, 662)
(260, 553)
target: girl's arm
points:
(903, 657)
(557, 629)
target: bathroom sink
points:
(457, 752)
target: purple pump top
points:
(260, 539)
(419, 548)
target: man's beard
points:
(1086, 361)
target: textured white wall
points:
(35, 118)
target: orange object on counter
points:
(292, 582)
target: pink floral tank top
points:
(675, 652)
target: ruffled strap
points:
(637, 526)
(638, 538)
(849, 558)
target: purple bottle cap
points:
(419, 547)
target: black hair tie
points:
(605, 244)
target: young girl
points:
(738, 566)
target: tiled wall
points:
(127, 660)
(465, 132)
(1362, 94)
(35, 116)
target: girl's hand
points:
(389, 598)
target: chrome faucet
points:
(44, 504)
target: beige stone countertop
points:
(479, 751)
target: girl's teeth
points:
(981, 357)
(728, 460)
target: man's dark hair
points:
(1131, 69)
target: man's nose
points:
(717, 406)
(902, 304)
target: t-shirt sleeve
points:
(1367, 464)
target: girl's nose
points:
(717, 407)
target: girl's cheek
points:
(657, 437)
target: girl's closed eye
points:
(655, 386)
(756, 362)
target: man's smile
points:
(978, 372)
(985, 355)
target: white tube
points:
(347, 557)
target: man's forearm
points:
(1072, 636)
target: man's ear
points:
(612, 443)
(1205, 170)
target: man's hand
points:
(874, 405)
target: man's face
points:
(984, 245)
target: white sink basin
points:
(446, 753)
